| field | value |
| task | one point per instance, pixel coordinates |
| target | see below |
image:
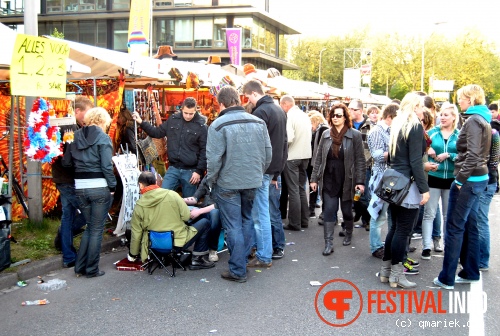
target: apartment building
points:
(195, 28)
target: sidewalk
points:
(41, 267)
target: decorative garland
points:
(42, 142)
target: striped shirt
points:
(378, 144)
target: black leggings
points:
(403, 221)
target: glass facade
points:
(12, 7)
(90, 32)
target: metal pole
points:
(34, 176)
(423, 66)
(95, 93)
(319, 77)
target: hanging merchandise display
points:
(42, 142)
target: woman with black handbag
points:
(340, 168)
(406, 149)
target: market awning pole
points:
(35, 200)
(95, 92)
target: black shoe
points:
(291, 228)
(198, 262)
(98, 274)
(278, 253)
(69, 265)
(356, 217)
(317, 206)
(312, 214)
(304, 226)
(426, 254)
(379, 253)
(227, 275)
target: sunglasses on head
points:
(337, 115)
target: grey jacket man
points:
(238, 150)
(354, 161)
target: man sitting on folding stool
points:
(160, 209)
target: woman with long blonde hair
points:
(471, 179)
(406, 149)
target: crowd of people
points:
(251, 168)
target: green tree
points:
(57, 33)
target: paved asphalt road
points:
(275, 301)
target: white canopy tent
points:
(105, 62)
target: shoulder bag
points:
(393, 187)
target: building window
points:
(162, 3)
(54, 6)
(120, 4)
(219, 32)
(70, 30)
(203, 28)
(183, 33)
(246, 30)
(202, 2)
(84, 5)
(120, 34)
(164, 33)
(14, 7)
(183, 3)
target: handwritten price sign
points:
(38, 67)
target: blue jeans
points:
(235, 206)
(70, 220)
(432, 214)
(200, 239)
(483, 225)
(376, 229)
(94, 203)
(275, 215)
(174, 176)
(462, 236)
(262, 221)
(215, 227)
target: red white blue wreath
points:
(42, 142)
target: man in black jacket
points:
(269, 234)
(72, 219)
(186, 133)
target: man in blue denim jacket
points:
(238, 153)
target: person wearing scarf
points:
(340, 151)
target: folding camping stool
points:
(162, 251)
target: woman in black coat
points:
(340, 169)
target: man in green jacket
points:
(164, 210)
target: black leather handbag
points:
(393, 187)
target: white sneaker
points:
(460, 280)
(212, 256)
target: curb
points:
(41, 267)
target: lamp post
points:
(423, 58)
(320, 53)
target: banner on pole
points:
(233, 37)
(138, 27)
